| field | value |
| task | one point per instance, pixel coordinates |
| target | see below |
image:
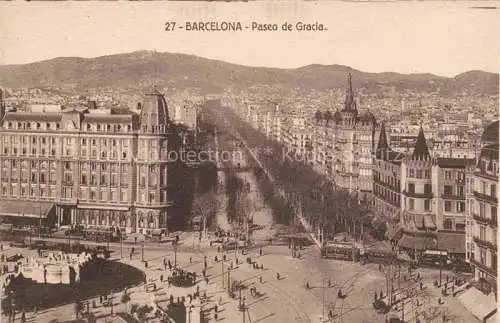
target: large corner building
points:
(86, 168)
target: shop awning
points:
(451, 242)
(26, 209)
(416, 242)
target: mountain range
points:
(142, 69)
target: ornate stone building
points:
(483, 223)
(93, 169)
(343, 145)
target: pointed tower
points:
(383, 149)
(152, 152)
(421, 151)
(349, 103)
(350, 111)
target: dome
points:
(490, 134)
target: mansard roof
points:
(154, 112)
(490, 134)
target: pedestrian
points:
(206, 280)
(381, 295)
(23, 317)
(218, 248)
(220, 300)
(135, 240)
(161, 278)
(278, 276)
(307, 285)
(216, 259)
(260, 251)
(190, 259)
(224, 257)
(216, 308)
(421, 285)
(329, 283)
(260, 279)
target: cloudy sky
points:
(444, 38)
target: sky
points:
(443, 38)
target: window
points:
(448, 224)
(412, 172)
(427, 205)
(447, 206)
(411, 188)
(447, 175)
(84, 141)
(427, 188)
(84, 179)
(461, 207)
(460, 190)
(448, 190)
(411, 204)
(151, 197)
(427, 173)
(482, 256)
(482, 232)
(419, 173)
(493, 190)
(493, 212)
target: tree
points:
(205, 206)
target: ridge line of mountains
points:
(142, 69)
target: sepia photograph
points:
(254, 162)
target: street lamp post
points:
(142, 250)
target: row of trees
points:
(320, 201)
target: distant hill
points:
(144, 68)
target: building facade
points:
(483, 220)
(98, 170)
(344, 143)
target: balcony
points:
(389, 186)
(452, 196)
(483, 267)
(486, 175)
(487, 198)
(485, 244)
(427, 195)
(493, 222)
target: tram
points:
(341, 251)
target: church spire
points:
(421, 150)
(349, 104)
(382, 146)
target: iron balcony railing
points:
(485, 243)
